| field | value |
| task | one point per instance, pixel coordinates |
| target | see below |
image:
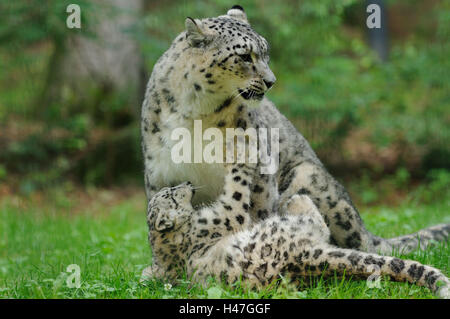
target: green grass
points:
(109, 243)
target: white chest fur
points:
(209, 178)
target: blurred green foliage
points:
(330, 84)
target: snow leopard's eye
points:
(246, 57)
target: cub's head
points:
(170, 208)
(230, 60)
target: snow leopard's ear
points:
(194, 33)
(238, 13)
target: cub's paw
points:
(444, 292)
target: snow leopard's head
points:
(223, 59)
(170, 208)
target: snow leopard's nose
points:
(268, 83)
(268, 77)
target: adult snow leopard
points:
(217, 71)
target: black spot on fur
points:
(304, 191)
(291, 246)
(203, 233)
(336, 254)
(286, 181)
(416, 271)
(354, 240)
(245, 264)
(227, 207)
(196, 248)
(260, 272)
(170, 99)
(262, 213)
(397, 265)
(240, 219)
(215, 235)
(225, 104)
(370, 260)
(430, 278)
(155, 128)
(354, 258)
(281, 241)
(258, 189)
(227, 224)
(229, 260)
(241, 123)
(249, 247)
(345, 225)
(266, 250)
(317, 253)
(237, 196)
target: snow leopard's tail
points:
(329, 260)
(407, 243)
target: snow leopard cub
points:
(221, 241)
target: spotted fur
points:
(217, 71)
(221, 241)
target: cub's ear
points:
(194, 33)
(238, 13)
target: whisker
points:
(269, 89)
(243, 91)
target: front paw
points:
(146, 275)
(444, 292)
(150, 273)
